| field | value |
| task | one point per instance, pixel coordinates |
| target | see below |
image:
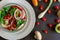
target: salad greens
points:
(1, 17)
(12, 11)
(7, 16)
(2, 21)
(0, 14)
(6, 8)
(4, 11)
(19, 22)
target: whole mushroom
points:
(38, 35)
(58, 0)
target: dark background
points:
(52, 35)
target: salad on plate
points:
(12, 17)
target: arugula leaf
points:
(2, 21)
(19, 22)
(0, 15)
(3, 14)
(1, 18)
(6, 8)
(12, 11)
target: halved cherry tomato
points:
(24, 17)
(6, 16)
(19, 15)
(56, 7)
(37, 23)
(49, 11)
(14, 25)
(45, 1)
(9, 28)
(41, 7)
(50, 25)
(10, 21)
(57, 20)
(54, 0)
(43, 19)
(45, 31)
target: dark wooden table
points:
(52, 35)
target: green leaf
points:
(2, 21)
(6, 8)
(0, 13)
(19, 22)
(12, 11)
(3, 12)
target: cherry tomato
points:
(45, 31)
(50, 25)
(45, 1)
(57, 20)
(6, 17)
(14, 25)
(10, 21)
(49, 11)
(37, 23)
(41, 7)
(43, 19)
(24, 17)
(54, 0)
(56, 7)
(19, 15)
(9, 28)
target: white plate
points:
(28, 26)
